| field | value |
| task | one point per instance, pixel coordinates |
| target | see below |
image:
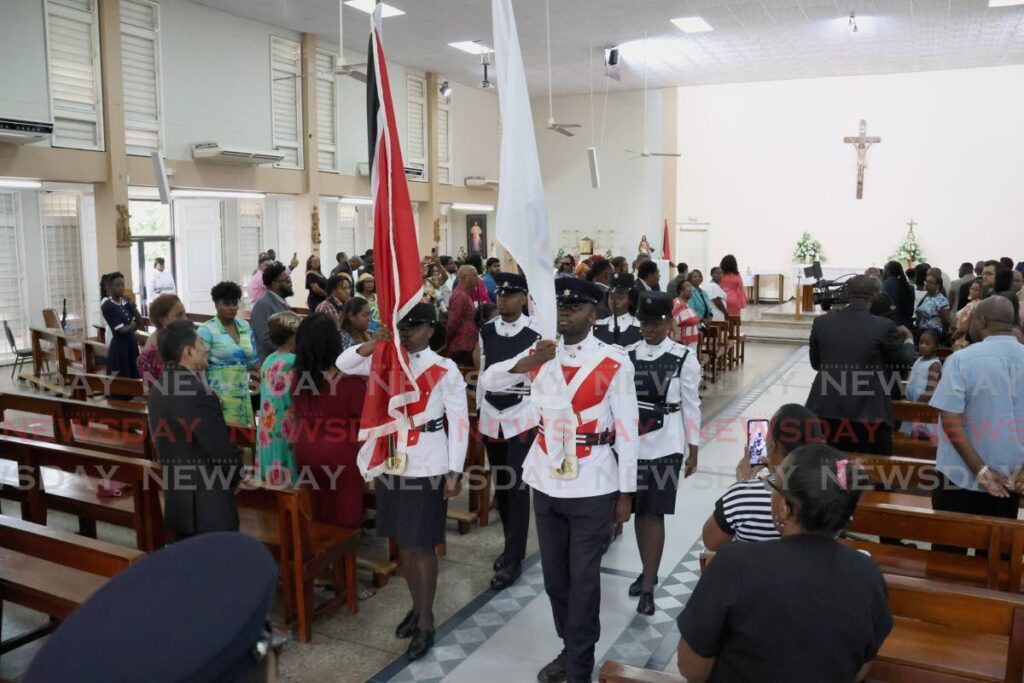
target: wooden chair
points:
(708, 354)
(51, 319)
(904, 444)
(737, 338)
(726, 352)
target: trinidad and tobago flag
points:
(396, 265)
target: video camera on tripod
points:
(828, 293)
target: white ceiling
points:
(753, 40)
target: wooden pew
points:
(904, 444)
(56, 545)
(994, 534)
(69, 352)
(282, 519)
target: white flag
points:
(522, 220)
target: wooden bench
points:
(69, 352)
(994, 534)
(904, 444)
(737, 338)
(282, 519)
(726, 353)
(52, 571)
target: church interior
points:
(759, 168)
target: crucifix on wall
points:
(862, 143)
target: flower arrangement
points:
(808, 250)
(909, 251)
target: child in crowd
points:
(924, 377)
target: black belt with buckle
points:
(662, 408)
(435, 425)
(605, 438)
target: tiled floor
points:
(500, 637)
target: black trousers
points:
(951, 498)
(855, 436)
(572, 533)
(513, 496)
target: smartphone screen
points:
(757, 441)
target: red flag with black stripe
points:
(396, 264)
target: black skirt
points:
(412, 510)
(657, 481)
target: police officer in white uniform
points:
(575, 500)
(667, 379)
(508, 423)
(412, 506)
(621, 328)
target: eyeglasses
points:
(769, 484)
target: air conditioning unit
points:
(216, 153)
(23, 131)
(480, 181)
(363, 169)
(411, 172)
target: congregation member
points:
(274, 455)
(462, 330)
(601, 272)
(231, 355)
(901, 292)
(316, 284)
(444, 292)
(339, 291)
(1003, 286)
(580, 494)
(201, 465)
(163, 310)
(648, 276)
(565, 267)
(508, 424)
(277, 282)
(744, 511)
(412, 501)
(667, 380)
(355, 322)
(682, 273)
(123, 321)
(802, 608)
(700, 303)
(343, 265)
(355, 265)
(479, 295)
(932, 312)
(257, 285)
(980, 399)
(919, 275)
(718, 296)
(685, 321)
(962, 320)
(366, 289)
(491, 269)
(325, 410)
(959, 287)
(924, 377)
(620, 328)
(620, 264)
(731, 283)
(160, 282)
(856, 356)
(988, 275)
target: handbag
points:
(112, 489)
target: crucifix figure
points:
(862, 143)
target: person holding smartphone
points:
(744, 512)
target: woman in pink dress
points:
(685, 322)
(732, 283)
(164, 310)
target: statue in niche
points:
(644, 247)
(315, 223)
(124, 230)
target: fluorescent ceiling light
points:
(20, 184)
(215, 194)
(472, 47)
(1004, 3)
(473, 207)
(693, 25)
(368, 5)
(357, 201)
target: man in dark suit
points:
(201, 465)
(857, 356)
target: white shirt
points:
(599, 473)
(520, 417)
(682, 427)
(714, 291)
(161, 282)
(444, 292)
(435, 453)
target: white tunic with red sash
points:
(442, 395)
(600, 379)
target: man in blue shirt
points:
(492, 268)
(981, 402)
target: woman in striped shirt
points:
(685, 322)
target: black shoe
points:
(554, 672)
(420, 645)
(636, 587)
(499, 562)
(646, 604)
(407, 629)
(506, 576)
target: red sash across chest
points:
(590, 393)
(426, 382)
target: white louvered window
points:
(140, 57)
(62, 256)
(416, 124)
(326, 111)
(444, 142)
(250, 234)
(72, 46)
(348, 222)
(286, 95)
(12, 302)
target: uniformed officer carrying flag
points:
(667, 378)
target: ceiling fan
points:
(646, 152)
(562, 128)
(341, 68)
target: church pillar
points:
(113, 249)
(669, 165)
(430, 211)
(306, 240)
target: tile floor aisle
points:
(501, 636)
